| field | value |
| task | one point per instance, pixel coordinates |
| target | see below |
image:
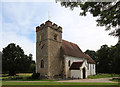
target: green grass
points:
(25, 76)
(115, 79)
(103, 76)
(54, 83)
(29, 80)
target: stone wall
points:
(51, 50)
(54, 47)
(42, 51)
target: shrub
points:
(17, 78)
(35, 75)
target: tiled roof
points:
(72, 49)
(89, 59)
(76, 65)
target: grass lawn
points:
(6, 83)
(24, 76)
(103, 76)
(115, 79)
(54, 83)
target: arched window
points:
(69, 63)
(42, 64)
(55, 37)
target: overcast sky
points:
(19, 21)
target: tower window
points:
(69, 63)
(42, 64)
(55, 37)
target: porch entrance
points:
(84, 74)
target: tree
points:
(14, 59)
(106, 58)
(32, 65)
(115, 58)
(108, 13)
(92, 54)
(30, 57)
(103, 58)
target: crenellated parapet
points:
(49, 24)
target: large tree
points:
(103, 59)
(107, 13)
(14, 59)
(114, 57)
(107, 59)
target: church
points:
(58, 58)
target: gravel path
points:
(100, 80)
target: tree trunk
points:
(12, 73)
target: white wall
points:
(91, 69)
(79, 73)
(69, 73)
(75, 74)
(72, 59)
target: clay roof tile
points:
(72, 49)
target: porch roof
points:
(76, 65)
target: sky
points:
(19, 20)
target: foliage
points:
(115, 58)
(109, 58)
(32, 67)
(106, 58)
(14, 60)
(107, 13)
(115, 79)
(35, 75)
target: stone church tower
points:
(48, 46)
